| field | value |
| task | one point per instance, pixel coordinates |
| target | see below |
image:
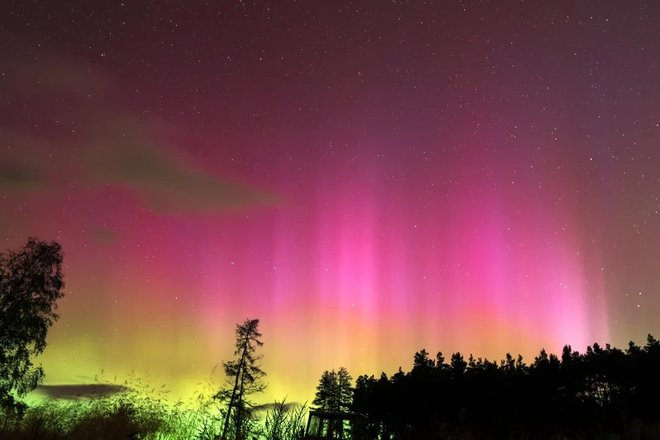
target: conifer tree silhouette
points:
(247, 376)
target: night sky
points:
(368, 178)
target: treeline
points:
(595, 394)
(602, 392)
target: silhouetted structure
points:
(336, 425)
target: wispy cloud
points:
(288, 406)
(126, 152)
(77, 391)
(115, 147)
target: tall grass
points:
(284, 423)
(141, 411)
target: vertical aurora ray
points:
(362, 268)
(434, 199)
(356, 276)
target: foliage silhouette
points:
(326, 398)
(31, 282)
(602, 393)
(141, 411)
(334, 393)
(592, 395)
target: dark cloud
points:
(16, 176)
(103, 234)
(77, 391)
(21, 163)
(126, 152)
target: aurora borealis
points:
(366, 178)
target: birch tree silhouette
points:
(31, 282)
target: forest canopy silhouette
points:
(604, 392)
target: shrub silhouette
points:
(578, 396)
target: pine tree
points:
(344, 390)
(326, 392)
(334, 393)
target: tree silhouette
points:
(344, 389)
(247, 377)
(334, 391)
(326, 397)
(590, 395)
(31, 282)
